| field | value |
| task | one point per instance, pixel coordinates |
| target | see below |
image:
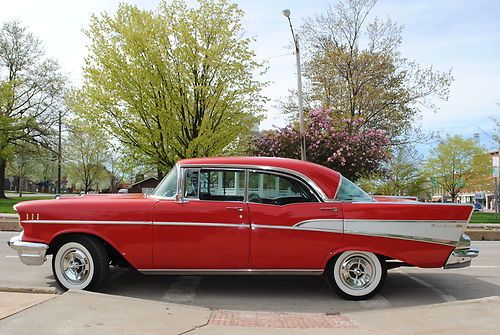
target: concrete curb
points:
(32, 290)
(8, 222)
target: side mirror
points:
(180, 199)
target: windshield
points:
(168, 186)
(351, 192)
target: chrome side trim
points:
(203, 224)
(390, 220)
(87, 222)
(407, 238)
(443, 232)
(373, 234)
(413, 203)
(228, 272)
(29, 253)
(331, 225)
(296, 228)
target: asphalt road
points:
(404, 286)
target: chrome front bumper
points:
(461, 257)
(30, 253)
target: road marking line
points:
(442, 295)
(484, 266)
(377, 301)
(11, 256)
(183, 289)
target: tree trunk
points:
(159, 172)
(3, 165)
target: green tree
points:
(172, 83)
(86, 152)
(354, 68)
(31, 92)
(34, 163)
(458, 163)
(402, 175)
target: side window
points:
(267, 188)
(222, 185)
(349, 191)
(191, 183)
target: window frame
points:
(305, 181)
(280, 174)
(211, 168)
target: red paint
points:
(233, 244)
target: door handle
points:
(333, 209)
(239, 209)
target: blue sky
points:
(457, 34)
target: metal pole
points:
(497, 187)
(299, 88)
(497, 197)
(301, 102)
(59, 154)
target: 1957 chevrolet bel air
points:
(244, 215)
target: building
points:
(145, 186)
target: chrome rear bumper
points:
(461, 257)
(30, 253)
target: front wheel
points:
(356, 275)
(80, 263)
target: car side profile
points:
(244, 215)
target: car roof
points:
(326, 179)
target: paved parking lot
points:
(404, 287)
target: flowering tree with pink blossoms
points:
(342, 145)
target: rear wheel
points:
(80, 263)
(356, 275)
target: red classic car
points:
(244, 215)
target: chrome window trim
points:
(200, 168)
(303, 178)
(316, 197)
(159, 197)
(183, 184)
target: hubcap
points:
(357, 272)
(75, 266)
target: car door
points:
(291, 227)
(208, 228)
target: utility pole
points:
(286, 13)
(59, 154)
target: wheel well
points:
(115, 257)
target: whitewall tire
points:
(80, 263)
(356, 275)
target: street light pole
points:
(286, 13)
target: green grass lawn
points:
(6, 204)
(485, 218)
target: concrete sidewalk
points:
(80, 312)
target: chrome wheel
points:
(75, 266)
(356, 275)
(357, 272)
